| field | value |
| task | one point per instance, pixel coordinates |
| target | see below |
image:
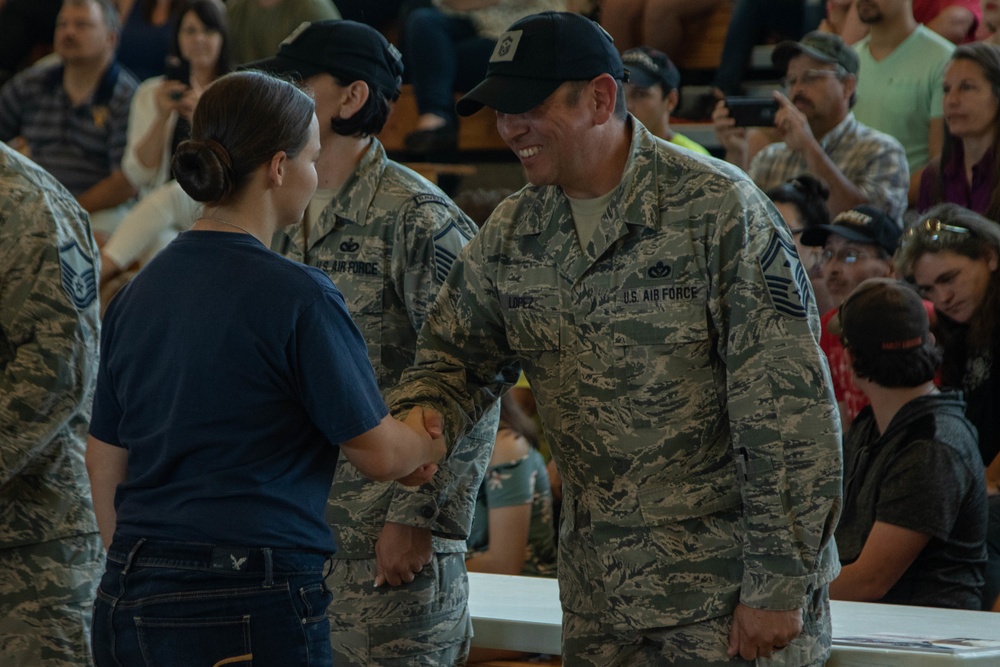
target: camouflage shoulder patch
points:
(789, 296)
(79, 275)
(429, 198)
(447, 244)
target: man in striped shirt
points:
(71, 117)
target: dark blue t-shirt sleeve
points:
(106, 415)
(334, 377)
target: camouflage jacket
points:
(677, 370)
(49, 328)
(388, 239)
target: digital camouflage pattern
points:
(50, 551)
(388, 240)
(677, 371)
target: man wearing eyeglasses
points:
(857, 245)
(819, 134)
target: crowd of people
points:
(310, 415)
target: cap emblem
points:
(506, 47)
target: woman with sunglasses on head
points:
(952, 255)
(229, 377)
(968, 172)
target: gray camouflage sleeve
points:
(435, 235)
(48, 348)
(463, 361)
(783, 419)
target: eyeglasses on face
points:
(931, 230)
(846, 255)
(809, 76)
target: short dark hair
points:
(241, 121)
(910, 368)
(369, 119)
(108, 10)
(213, 15)
(806, 193)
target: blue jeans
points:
(174, 603)
(752, 20)
(443, 54)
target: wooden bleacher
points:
(477, 132)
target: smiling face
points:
(954, 283)
(550, 140)
(970, 106)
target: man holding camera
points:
(819, 134)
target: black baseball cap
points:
(648, 67)
(823, 46)
(536, 55)
(882, 315)
(347, 50)
(863, 224)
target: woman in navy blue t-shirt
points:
(229, 376)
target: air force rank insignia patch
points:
(506, 47)
(790, 296)
(447, 244)
(79, 276)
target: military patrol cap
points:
(347, 50)
(536, 55)
(823, 46)
(648, 67)
(862, 224)
(882, 315)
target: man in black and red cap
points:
(913, 529)
(387, 237)
(655, 302)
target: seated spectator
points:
(379, 14)
(447, 47)
(512, 532)
(26, 28)
(858, 245)
(71, 117)
(955, 20)
(802, 204)
(658, 23)
(752, 22)
(652, 94)
(159, 120)
(967, 173)
(913, 528)
(952, 255)
(820, 135)
(899, 81)
(991, 20)
(259, 26)
(160, 114)
(145, 38)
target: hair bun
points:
(203, 169)
(813, 186)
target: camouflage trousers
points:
(588, 643)
(46, 601)
(423, 623)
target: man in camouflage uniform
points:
(50, 550)
(656, 305)
(387, 237)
